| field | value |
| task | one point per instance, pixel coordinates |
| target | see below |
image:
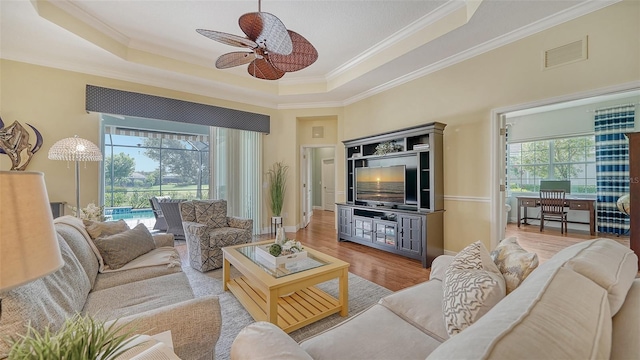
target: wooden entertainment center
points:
(407, 221)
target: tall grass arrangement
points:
(277, 175)
(80, 337)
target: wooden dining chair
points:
(552, 208)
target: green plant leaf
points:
(277, 175)
(80, 337)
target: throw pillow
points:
(514, 262)
(97, 229)
(472, 286)
(118, 249)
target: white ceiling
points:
(364, 46)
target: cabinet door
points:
(362, 227)
(410, 239)
(385, 233)
(344, 221)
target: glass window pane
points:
(542, 171)
(591, 170)
(578, 186)
(578, 154)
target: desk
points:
(573, 203)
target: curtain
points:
(612, 165)
(236, 172)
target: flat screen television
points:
(385, 184)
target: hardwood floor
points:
(397, 272)
(550, 241)
(392, 271)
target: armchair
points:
(208, 229)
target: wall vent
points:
(566, 54)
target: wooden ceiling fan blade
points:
(229, 39)
(267, 31)
(235, 58)
(262, 69)
(303, 55)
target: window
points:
(140, 164)
(554, 159)
(184, 161)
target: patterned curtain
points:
(612, 165)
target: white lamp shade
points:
(28, 242)
(75, 149)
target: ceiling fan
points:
(274, 49)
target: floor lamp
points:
(75, 149)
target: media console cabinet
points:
(413, 227)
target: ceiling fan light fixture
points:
(274, 49)
(303, 55)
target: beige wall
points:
(463, 96)
(53, 101)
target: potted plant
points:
(277, 175)
(80, 337)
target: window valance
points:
(118, 102)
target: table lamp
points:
(29, 246)
(75, 149)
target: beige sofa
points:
(583, 303)
(153, 299)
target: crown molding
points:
(534, 28)
(316, 105)
(93, 21)
(429, 19)
(220, 91)
(224, 91)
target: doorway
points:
(317, 181)
(591, 99)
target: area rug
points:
(362, 294)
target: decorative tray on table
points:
(262, 252)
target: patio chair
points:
(171, 212)
(208, 229)
(161, 223)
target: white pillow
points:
(472, 286)
(514, 262)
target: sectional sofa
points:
(153, 299)
(583, 303)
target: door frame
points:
(498, 143)
(306, 166)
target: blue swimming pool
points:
(127, 213)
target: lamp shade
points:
(75, 149)
(28, 242)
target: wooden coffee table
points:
(286, 296)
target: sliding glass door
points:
(139, 164)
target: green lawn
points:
(138, 196)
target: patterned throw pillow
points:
(514, 262)
(472, 286)
(97, 229)
(117, 250)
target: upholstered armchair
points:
(208, 229)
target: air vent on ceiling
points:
(566, 54)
